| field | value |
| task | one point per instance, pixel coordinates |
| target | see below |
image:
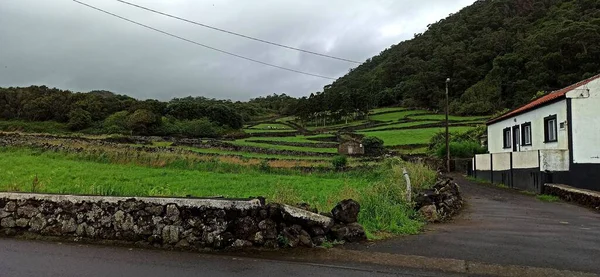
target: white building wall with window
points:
(496, 130)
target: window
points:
(550, 132)
(507, 138)
(526, 134)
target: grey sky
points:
(62, 44)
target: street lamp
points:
(447, 133)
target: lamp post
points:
(447, 132)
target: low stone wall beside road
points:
(186, 223)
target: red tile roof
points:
(555, 95)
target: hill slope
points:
(499, 54)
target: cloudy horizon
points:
(66, 45)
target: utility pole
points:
(447, 132)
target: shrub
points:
(339, 162)
(79, 119)
(464, 149)
(116, 123)
(373, 146)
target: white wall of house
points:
(536, 117)
(585, 111)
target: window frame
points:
(507, 141)
(547, 131)
(523, 127)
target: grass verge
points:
(547, 198)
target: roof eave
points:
(508, 115)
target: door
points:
(516, 138)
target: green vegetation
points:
(253, 155)
(463, 149)
(442, 117)
(339, 162)
(255, 131)
(302, 139)
(395, 116)
(384, 210)
(387, 109)
(410, 136)
(246, 142)
(50, 127)
(547, 198)
(498, 54)
(271, 126)
(401, 125)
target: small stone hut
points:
(351, 147)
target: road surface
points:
(36, 258)
(501, 226)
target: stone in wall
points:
(441, 202)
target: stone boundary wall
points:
(186, 223)
(587, 198)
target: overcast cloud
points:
(62, 44)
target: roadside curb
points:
(435, 264)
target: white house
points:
(553, 139)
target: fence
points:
(528, 170)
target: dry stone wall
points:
(195, 224)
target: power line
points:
(203, 45)
(237, 34)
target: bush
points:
(79, 119)
(373, 146)
(464, 149)
(339, 162)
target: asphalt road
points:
(36, 258)
(501, 226)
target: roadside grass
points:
(547, 198)
(409, 136)
(395, 116)
(51, 127)
(380, 191)
(442, 117)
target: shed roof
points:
(548, 98)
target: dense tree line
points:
(106, 112)
(498, 54)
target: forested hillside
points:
(106, 112)
(498, 53)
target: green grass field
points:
(410, 136)
(379, 190)
(337, 126)
(442, 117)
(385, 110)
(301, 139)
(60, 174)
(245, 142)
(271, 126)
(255, 155)
(395, 116)
(400, 125)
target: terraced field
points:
(403, 130)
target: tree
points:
(116, 123)
(79, 119)
(142, 121)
